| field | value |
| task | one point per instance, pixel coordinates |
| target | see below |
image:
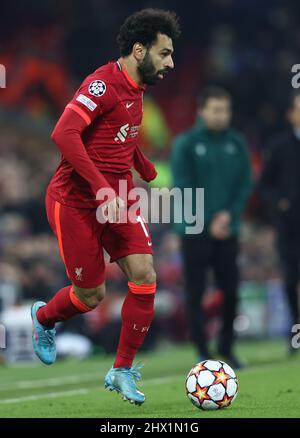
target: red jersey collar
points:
(129, 78)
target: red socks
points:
(61, 307)
(137, 314)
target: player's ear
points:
(139, 51)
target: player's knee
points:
(146, 275)
(90, 297)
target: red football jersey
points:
(111, 103)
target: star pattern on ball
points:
(221, 376)
(201, 393)
(209, 385)
(199, 367)
(225, 402)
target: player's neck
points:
(131, 69)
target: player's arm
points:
(143, 165)
(67, 136)
(91, 100)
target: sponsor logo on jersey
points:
(127, 131)
(122, 134)
(97, 88)
(86, 101)
(134, 131)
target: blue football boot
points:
(123, 380)
(43, 339)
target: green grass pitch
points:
(269, 387)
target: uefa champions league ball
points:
(211, 384)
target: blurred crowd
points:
(245, 45)
(47, 48)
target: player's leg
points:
(138, 307)
(137, 314)
(130, 245)
(68, 302)
(83, 258)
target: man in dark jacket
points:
(213, 156)
(280, 188)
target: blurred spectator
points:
(213, 156)
(280, 189)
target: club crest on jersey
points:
(97, 88)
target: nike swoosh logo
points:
(149, 243)
(128, 105)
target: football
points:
(211, 384)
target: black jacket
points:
(281, 180)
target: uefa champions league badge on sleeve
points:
(97, 88)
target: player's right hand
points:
(113, 209)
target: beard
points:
(149, 74)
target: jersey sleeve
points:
(143, 165)
(67, 136)
(93, 99)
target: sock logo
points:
(142, 330)
(78, 272)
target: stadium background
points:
(47, 48)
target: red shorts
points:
(81, 240)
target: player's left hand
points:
(143, 166)
(149, 176)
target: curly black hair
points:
(143, 27)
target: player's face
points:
(294, 113)
(157, 60)
(217, 113)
